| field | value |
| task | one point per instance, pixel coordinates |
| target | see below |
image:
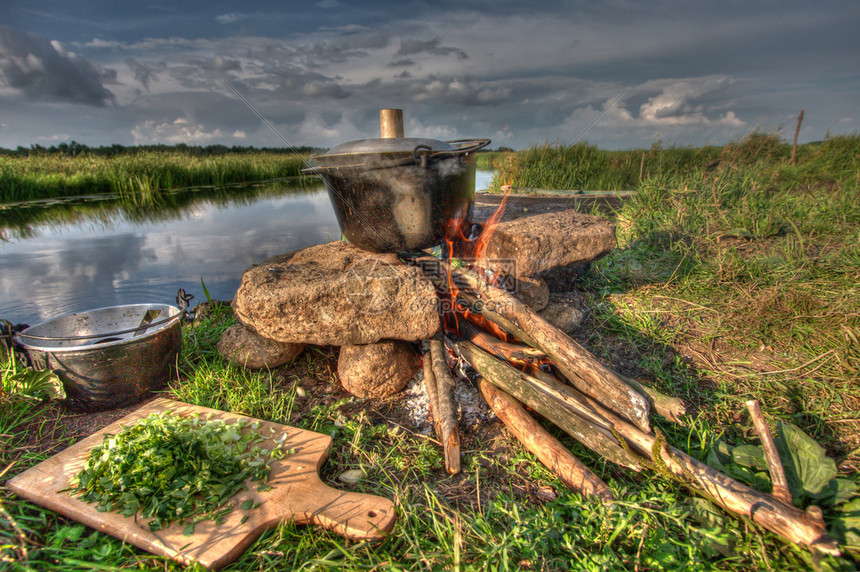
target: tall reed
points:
(54, 175)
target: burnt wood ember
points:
(576, 363)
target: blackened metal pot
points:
(399, 194)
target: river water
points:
(61, 257)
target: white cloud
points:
(180, 130)
(315, 128)
(677, 104)
(231, 18)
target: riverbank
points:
(42, 176)
(727, 285)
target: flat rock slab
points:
(530, 245)
(337, 294)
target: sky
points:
(618, 74)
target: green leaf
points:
(846, 526)
(719, 455)
(248, 504)
(808, 468)
(205, 291)
(836, 492)
(750, 456)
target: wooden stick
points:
(765, 510)
(488, 342)
(777, 471)
(450, 431)
(672, 408)
(577, 364)
(544, 446)
(590, 431)
(431, 387)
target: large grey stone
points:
(377, 370)
(532, 291)
(251, 350)
(563, 316)
(530, 245)
(336, 294)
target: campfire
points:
(470, 303)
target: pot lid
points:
(388, 146)
(393, 152)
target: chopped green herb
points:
(169, 468)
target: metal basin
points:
(108, 357)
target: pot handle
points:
(423, 152)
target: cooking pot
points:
(108, 357)
(404, 193)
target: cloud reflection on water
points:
(81, 266)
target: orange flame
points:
(473, 252)
(479, 247)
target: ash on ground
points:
(472, 410)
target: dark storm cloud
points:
(142, 72)
(324, 89)
(517, 72)
(354, 45)
(414, 47)
(44, 70)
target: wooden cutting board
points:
(297, 495)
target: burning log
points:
(503, 350)
(576, 363)
(583, 425)
(669, 407)
(440, 387)
(544, 446)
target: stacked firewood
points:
(529, 364)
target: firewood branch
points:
(777, 471)
(544, 446)
(447, 407)
(577, 364)
(584, 425)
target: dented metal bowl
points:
(108, 357)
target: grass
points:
(586, 167)
(40, 176)
(732, 281)
(487, 518)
